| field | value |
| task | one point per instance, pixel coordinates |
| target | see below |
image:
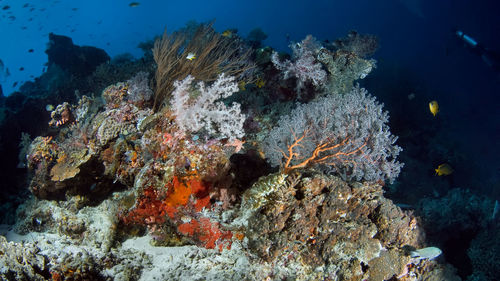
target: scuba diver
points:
(490, 57)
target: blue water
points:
(418, 54)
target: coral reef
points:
(483, 253)
(305, 226)
(25, 111)
(310, 59)
(320, 221)
(212, 53)
(304, 65)
(206, 112)
(447, 220)
(346, 135)
(343, 69)
(177, 183)
(363, 45)
(22, 263)
(71, 161)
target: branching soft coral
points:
(206, 111)
(214, 54)
(303, 65)
(347, 135)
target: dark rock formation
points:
(77, 60)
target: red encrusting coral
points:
(207, 232)
(182, 196)
(149, 209)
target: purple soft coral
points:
(303, 65)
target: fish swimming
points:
(228, 33)
(242, 85)
(444, 170)
(191, 56)
(426, 253)
(434, 107)
(134, 4)
(260, 82)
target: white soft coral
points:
(207, 111)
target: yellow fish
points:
(444, 170)
(242, 85)
(227, 33)
(434, 107)
(191, 56)
(260, 83)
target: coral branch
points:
(322, 148)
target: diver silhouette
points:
(490, 57)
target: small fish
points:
(26, 5)
(242, 85)
(434, 107)
(191, 56)
(49, 107)
(228, 33)
(14, 85)
(6, 7)
(426, 253)
(134, 4)
(74, 9)
(444, 170)
(21, 68)
(260, 83)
